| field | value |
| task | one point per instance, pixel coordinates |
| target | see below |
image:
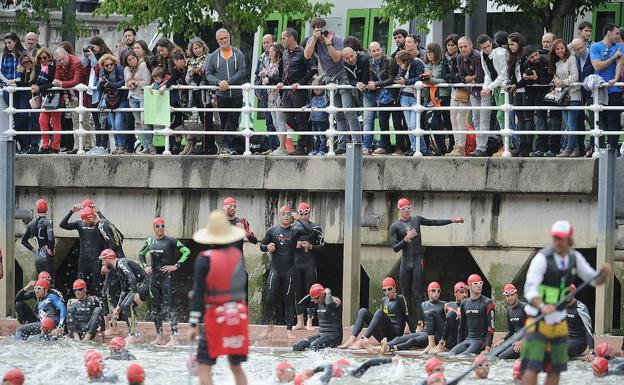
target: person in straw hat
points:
(219, 283)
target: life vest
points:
(556, 282)
(225, 282)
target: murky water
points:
(62, 363)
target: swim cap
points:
(135, 373)
(403, 202)
(79, 284)
(517, 370)
(300, 379)
(600, 365)
(44, 275)
(282, 368)
(339, 367)
(87, 203)
(47, 324)
(43, 283)
(41, 205)
(118, 343)
(435, 377)
(432, 364)
(15, 376)
(433, 285)
(158, 221)
(229, 201)
(285, 209)
(95, 368)
(562, 229)
(91, 355)
(604, 350)
(474, 278)
(480, 359)
(316, 290)
(87, 213)
(303, 206)
(509, 287)
(108, 254)
(388, 282)
(459, 286)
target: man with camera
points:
(328, 48)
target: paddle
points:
(520, 332)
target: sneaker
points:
(366, 151)
(33, 150)
(478, 154)
(341, 151)
(379, 151)
(566, 153)
(549, 154)
(321, 153)
(72, 151)
(44, 150)
(457, 151)
(313, 153)
(212, 150)
(55, 150)
(279, 152)
(398, 152)
(535, 154)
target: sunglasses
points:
(231, 206)
(509, 293)
(387, 289)
(304, 212)
(75, 290)
(109, 65)
(435, 290)
(44, 57)
(159, 226)
(285, 214)
(404, 209)
(478, 283)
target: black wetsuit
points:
(49, 306)
(305, 267)
(85, 317)
(43, 230)
(163, 253)
(121, 355)
(328, 369)
(388, 322)
(110, 238)
(580, 333)
(476, 326)
(133, 279)
(282, 270)
(89, 267)
(515, 321)
(112, 378)
(617, 371)
(449, 335)
(26, 314)
(434, 326)
(411, 275)
(330, 327)
(251, 237)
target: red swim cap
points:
(158, 221)
(108, 254)
(87, 213)
(459, 286)
(517, 370)
(600, 365)
(41, 205)
(135, 373)
(79, 284)
(282, 368)
(43, 283)
(229, 201)
(91, 355)
(403, 202)
(338, 368)
(432, 364)
(388, 282)
(47, 324)
(433, 285)
(44, 275)
(303, 206)
(285, 209)
(509, 287)
(480, 359)
(15, 376)
(95, 368)
(118, 343)
(604, 350)
(316, 290)
(87, 203)
(474, 278)
(435, 377)
(300, 379)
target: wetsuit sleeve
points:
(202, 267)
(60, 306)
(405, 310)
(510, 329)
(71, 324)
(397, 244)
(357, 373)
(24, 295)
(490, 308)
(304, 228)
(66, 225)
(265, 241)
(583, 312)
(143, 252)
(329, 301)
(27, 235)
(319, 244)
(434, 222)
(184, 252)
(99, 213)
(328, 371)
(50, 232)
(461, 331)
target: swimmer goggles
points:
(304, 212)
(509, 293)
(405, 208)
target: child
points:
(319, 120)
(118, 350)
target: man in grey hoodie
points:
(226, 67)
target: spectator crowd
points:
(482, 70)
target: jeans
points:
(442, 121)
(346, 121)
(146, 139)
(229, 120)
(410, 118)
(117, 121)
(272, 140)
(320, 141)
(571, 119)
(21, 121)
(369, 100)
(610, 120)
(481, 119)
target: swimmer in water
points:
(135, 374)
(13, 376)
(95, 372)
(343, 368)
(432, 366)
(118, 350)
(601, 368)
(483, 369)
(285, 372)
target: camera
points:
(324, 32)
(88, 48)
(529, 71)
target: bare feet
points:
(359, 344)
(160, 340)
(111, 331)
(299, 325)
(290, 335)
(384, 348)
(369, 347)
(173, 341)
(428, 349)
(266, 332)
(309, 325)
(350, 341)
(132, 340)
(438, 349)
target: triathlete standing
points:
(42, 229)
(229, 208)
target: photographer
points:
(328, 47)
(111, 79)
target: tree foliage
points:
(29, 14)
(181, 16)
(550, 13)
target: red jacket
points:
(70, 75)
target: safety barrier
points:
(331, 133)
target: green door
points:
(358, 21)
(609, 13)
(379, 31)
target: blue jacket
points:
(318, 101)
(115, 81)
(584, 72)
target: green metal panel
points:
(608, 13)
(380, 30)
(358, 21)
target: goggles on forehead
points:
(304, 212)
(405, 208)
(387, 289)
(160, 226)
(509, 293)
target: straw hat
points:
(218, 231)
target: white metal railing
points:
(331, 133)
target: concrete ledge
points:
(384, 173)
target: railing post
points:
(81, 111)
(507, 130)
(596, 108)
(167, 133)
(331, 109)
(247, 132)
(418, 109)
